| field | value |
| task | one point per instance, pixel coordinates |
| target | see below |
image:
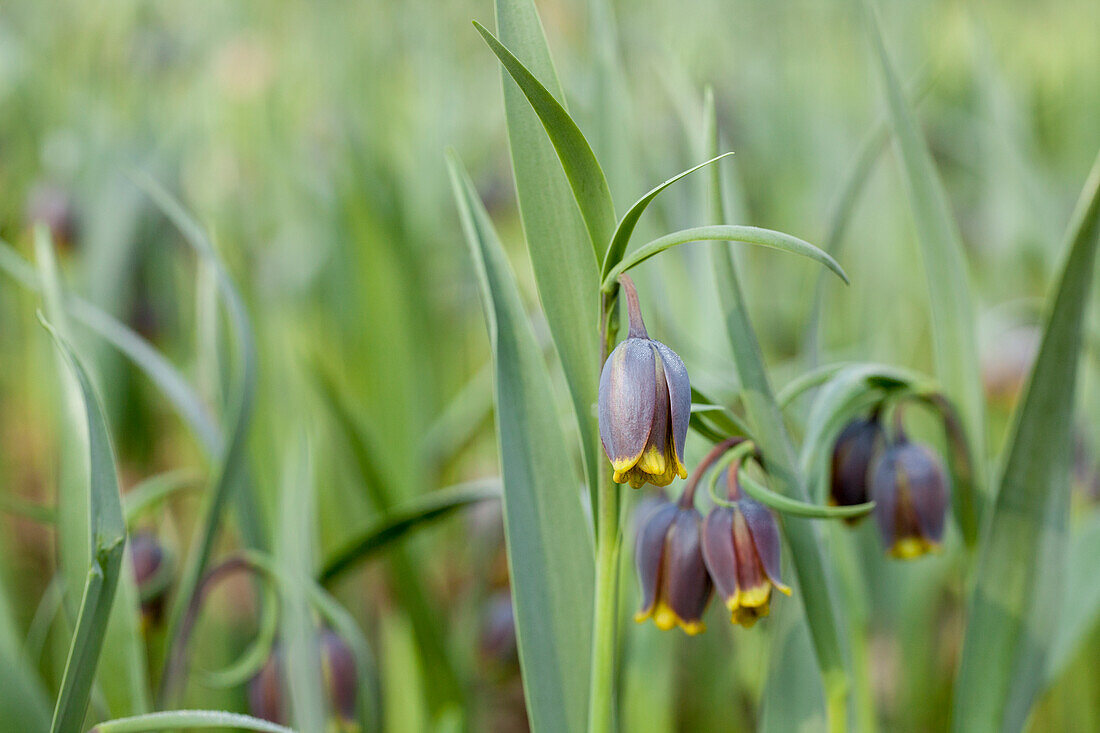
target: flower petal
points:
(649, 551)
(927, 485)
(718, 551)
(689, 586)
(679, 393)
(627, 389)
(764, 530)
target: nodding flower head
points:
(153, 567)
(674, 580)
(644, 406)
(267, 690)
(909, 487)
(852, 456)
(741, 549)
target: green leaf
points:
(953, 329)
(294, 555)
(23, 702)
(564, 259)
(621, 239)
(107, 532)
(769, 430)
(577, 159)
(1014, 607)
(399, 522)
(722, 233)
(189, 719)
(155, 489)
(549, 547)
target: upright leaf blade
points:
(107, 530)
(1015, 603)
(563, 257)
(549, 547)
(953, 328)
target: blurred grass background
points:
(309, 138)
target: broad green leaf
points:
(563, 257)
(107, 534)
(722, 233)
(294, 555)
(766, 420)
(549, 546)
(577, 159)
(1015, 604)
(621, 239)
(190, 720)
(955, 344)
(402, 520)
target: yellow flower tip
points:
(653, 461)
(642, 616)
(782, 588)
(747, 617)
(753, 597)
(623, 465)
(910, 548)
(691, 628)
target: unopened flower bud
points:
(154, 568)
(852, 457)
(669, 559)
(909, 487)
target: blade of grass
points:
(443, 683)
(294, 556)
(107, 540)
(402, 520)
(814, 577)
(23, 702)
(1014, 607)
(550, 551)
(722, 233)
(188, 719)
(564, 259)
(953, 327)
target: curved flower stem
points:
(687, 499)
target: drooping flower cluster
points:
(682, 558)
(906, 480)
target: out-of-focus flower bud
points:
(1006, 364)
(52, 205)
(644, 406)
(741, 548)
(852, 456)
(498, 630)
(674, 580)
(909, 487)
(154, 568)
(267, 691)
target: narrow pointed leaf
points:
(621, 239)
(577, 159)
(189, 720)
(549, 548)
(722, 233)
(945, 266)
(563, 257)
(1015, 604)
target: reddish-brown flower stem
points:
(633, 309)
(687, 499)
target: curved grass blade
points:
(107, 533)
(585, 176)
(252, 659)
(550, 551)
(399, 522)
(188, 719)
(232, 469)
(722, 233)
(156, 489)
(442, 682)
(953, 328)
(563, 258)
(814, 578)
(621, 238)
(1014, 606)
